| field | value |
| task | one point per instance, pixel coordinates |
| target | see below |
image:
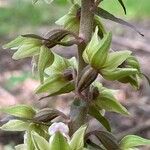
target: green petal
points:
(96, 51)
(118, 73)
(108, 102)
(46, 58)
(53, 84)
(115, 59)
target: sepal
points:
(106, 100)
(71, 20)
(96, 51)
(46, 58)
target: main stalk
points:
(80, 107)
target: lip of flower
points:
(58, 127)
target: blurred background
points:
(17, 83)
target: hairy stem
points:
(86, 27)
(79, 113)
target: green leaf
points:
(39, 142)
(108, 102)
(22, 111)
(118, 73)
(115, 59)
(46, 58)
(131, 141)
(15, 125)
(77, 140)
(108, 140)
(96, 51)
(106, 15)
(93, 111)
(58, 142)
(123, 6)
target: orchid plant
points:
(81, 26)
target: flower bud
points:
(88, 75)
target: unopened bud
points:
(87, 77)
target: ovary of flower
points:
(58, 127)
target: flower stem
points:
(78, 113)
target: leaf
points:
(15, 125)
(39, 142)
(108, 102)
(118, 73)
(106, 15)
(123, 6)
(131, 141)
(93, 111)
(22, 111)
(108, 140)
(115, 59)
(77, 140)
(46, 58)
(58, 142)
